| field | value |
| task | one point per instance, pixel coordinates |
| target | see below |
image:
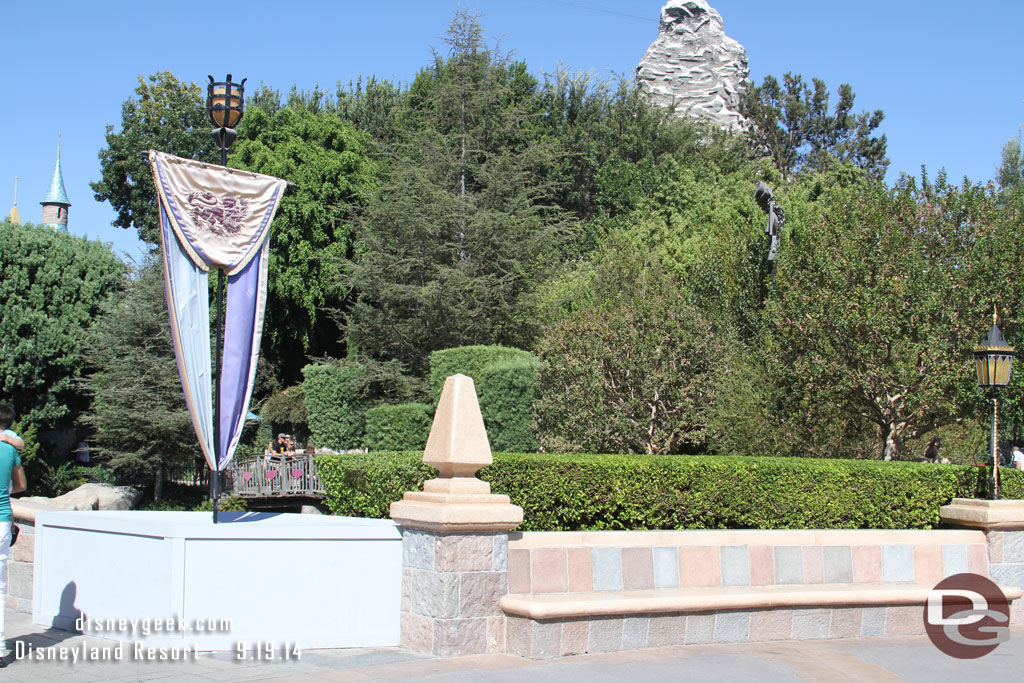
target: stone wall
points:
(20, 565)
(451, 584)
(558, 562)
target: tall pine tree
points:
(466, 216)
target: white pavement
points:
(908, 658)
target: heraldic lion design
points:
(219, 215)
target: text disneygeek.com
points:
(145, 627)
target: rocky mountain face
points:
(694, 65)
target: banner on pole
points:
(212, 217)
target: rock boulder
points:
(91, 497)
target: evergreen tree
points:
(138, 411)
(791, 123)
(465, 217)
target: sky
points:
(946, 74)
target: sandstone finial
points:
(457, 445)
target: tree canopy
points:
(52, 286)
(313, 234)
(792, 124)
(880, 298)
(167, 115)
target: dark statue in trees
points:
(776, 219)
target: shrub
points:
(635, 375)
(579, 492)
(469, 361)
(286, 410)
(364, 485)
(228, 503)
(505, 381)
(506, 390)
(402, 427)
(333, 406)
(337, 395)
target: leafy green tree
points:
(464, 220)
(166, 115)
(52, 286)
(791, 123)
(633, 374)
(138, 413)
(1010, 172)
(286, 411)
(881, 298)
(313, 234)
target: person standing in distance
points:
(12, 480)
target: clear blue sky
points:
(946, 74)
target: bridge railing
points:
(263, 476)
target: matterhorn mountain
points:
(694, 66)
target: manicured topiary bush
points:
(575, 492)
(505, 381)
(470, 361)
(506, 391)
(334, 406)
(402, 427)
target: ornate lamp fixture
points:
(993, 359)
(225, 103)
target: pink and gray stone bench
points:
(574, 593)
(469, 586)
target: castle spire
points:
(14, 217)
(55, 203)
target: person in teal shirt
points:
(12, 480)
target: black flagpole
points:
(218, 350)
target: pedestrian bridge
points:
(264, 476)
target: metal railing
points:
(263, 476)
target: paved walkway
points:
(909, 658)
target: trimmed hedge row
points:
(470, 361)
(595, 492)
(401, 427)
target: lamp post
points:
(225, 103)
(993, 359)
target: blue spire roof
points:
(56, 193)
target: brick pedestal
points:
(1003, 524)
(451, 584)
(455, 538)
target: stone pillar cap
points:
(458, 447)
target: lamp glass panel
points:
(982, 367)
(1003, 364)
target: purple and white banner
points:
(212, 217)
